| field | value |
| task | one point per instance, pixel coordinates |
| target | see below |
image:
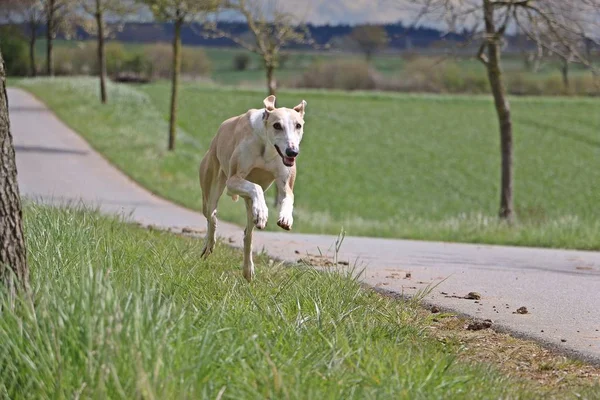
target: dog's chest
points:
(261, 177)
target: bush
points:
(519, 84)
(194, 61)
(83, 59)
(426, 75)
(241, 61)
(116, 58)
(339, 74)
(149, 61)
(14, 49)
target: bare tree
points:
(489, 21)
(59, 16)
(99, 9)
(13, 261)
(31, 14)
(177, 12)
(271, 29)
(370, 39)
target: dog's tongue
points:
(290, 160)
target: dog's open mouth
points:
(287, 161)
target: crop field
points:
(393, 165)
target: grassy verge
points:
(420, 167)
(122, 312)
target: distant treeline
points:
(400, 37)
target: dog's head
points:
(284, 129)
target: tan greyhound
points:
(248, 154)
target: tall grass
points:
(119, 312)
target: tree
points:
(271, 29)
(14, 273)
(369, 39)
(59, 16)
(489, 20)
(99, 9)
(30, 13)
(177, 12)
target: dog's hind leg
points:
(212, 181)
(248, 262)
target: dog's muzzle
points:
(289, 158)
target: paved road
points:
(561, 289)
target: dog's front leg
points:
(256, 210)
(253, 192)
(285, 200)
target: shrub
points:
(422, 74)
(116, 57)
(82, 59)
(241, 61)
(14, 51)
(194, 61)
(339, 74)
(138, 64)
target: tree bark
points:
(175, 79)
(32, 40)
(494, 71)
(32, 66)
(101, 52)
(564, 69)
(271, 84)
(50, 37)
(14, 273)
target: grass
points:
(122, 312)
(392, 165)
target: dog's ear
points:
(300, 108)
(269, 103)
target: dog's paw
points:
(286, 222)
(260, 212)
(208, 249)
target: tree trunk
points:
(175, 80)
(13, 262)
(494, 71)
(32, 40)
(101, 53)
(50, 37)
(271, 84)
(564, 69)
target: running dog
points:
(248, 154)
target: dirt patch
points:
(515, 357)
(316, 261)
(479, 325)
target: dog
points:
(248, 154)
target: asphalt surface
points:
(560, 289)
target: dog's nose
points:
(291, 152)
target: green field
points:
(122, 313)
(406, 166)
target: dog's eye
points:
(298, 126)
(277, 126)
